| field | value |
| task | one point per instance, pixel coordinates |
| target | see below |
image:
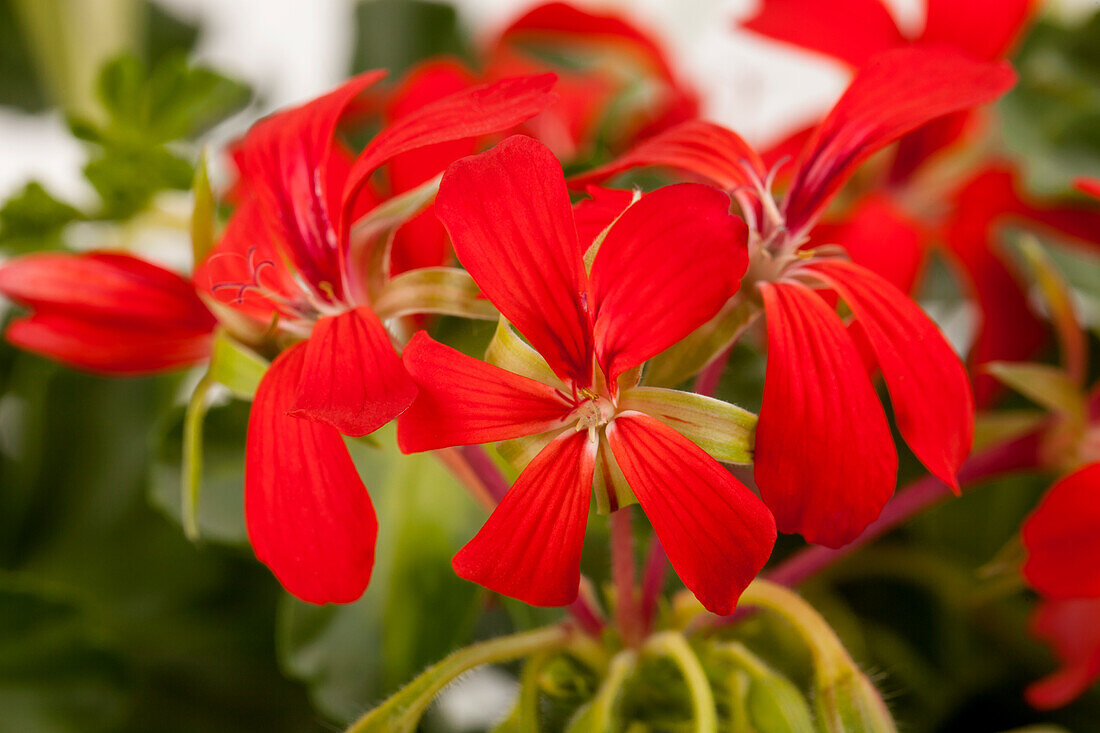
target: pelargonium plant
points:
(621, 253)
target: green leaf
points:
(723, 430)
(396, 34)
(236, 366)
(127, 176)
(203, 214)
(35, 216)
(1043, 384)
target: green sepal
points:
(444, 290)
(594, 248)
(598, 715)
(191, 468)
(771, 702)
(236, 366)
(608, 480)
(518, 452)
(690, 355)
(203, 213)
(723, 430)
(1045, 385)
(511, 353)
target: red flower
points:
(288, 257)
(615, 87)
(1072, 628)
(854, 31)
(106, 312)
(1062, 539)
(666, 266)
(825, 459)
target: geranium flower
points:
(106, 312)
(825, 459)
(289, 258)
(663, 268)
(1062, 539)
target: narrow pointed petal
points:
(1070, 628)
(107, 349)
(878, 235)
(464, 401)
(1062, 537)
(704, 149)
(849, 30)
(509, 217)
(985, 29)
(480, 110)
(352, 379)
(894, 94)
(530, 547)
(666, 267)
(105, 312)
(717, 534)
(825, 459)
(105, 287)
(308, 514)
(928, 385)
(285, 159)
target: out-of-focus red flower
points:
(287, 257)
(1062, 537)
(820, 423)
(615, 86)
(105, 312)
(854, 31)
(665, 266)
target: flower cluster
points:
(336, 264)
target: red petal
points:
(107, 288)
(352, 378)
(1071, 628)
(571, 26)
(596, 213)
(471, 113)
(309, 516)
(285, 159)
(510, 220)
(717, 534)
(106, 348)
(704, 149)
(895, 93)
(849, 30)
(464, 401)
(825, 459)
(1062, 537)
(933, 406)
(530, 548)
(983, 28)
(1090, 186)
(665, 268)
(879, 236)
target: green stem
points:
(674, 646)
(191, 471)
(402, 712)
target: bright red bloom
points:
(106, 312)
(854, 31)
(825, 460)
(1062, 537)
(665, 266)
(288, 258)
(615, 87)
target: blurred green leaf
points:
(126, 177)
(396, 34)
(1052, 116)
(19, 83)
(33, 216)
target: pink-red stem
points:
(628, 614)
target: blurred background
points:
(110, 620)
